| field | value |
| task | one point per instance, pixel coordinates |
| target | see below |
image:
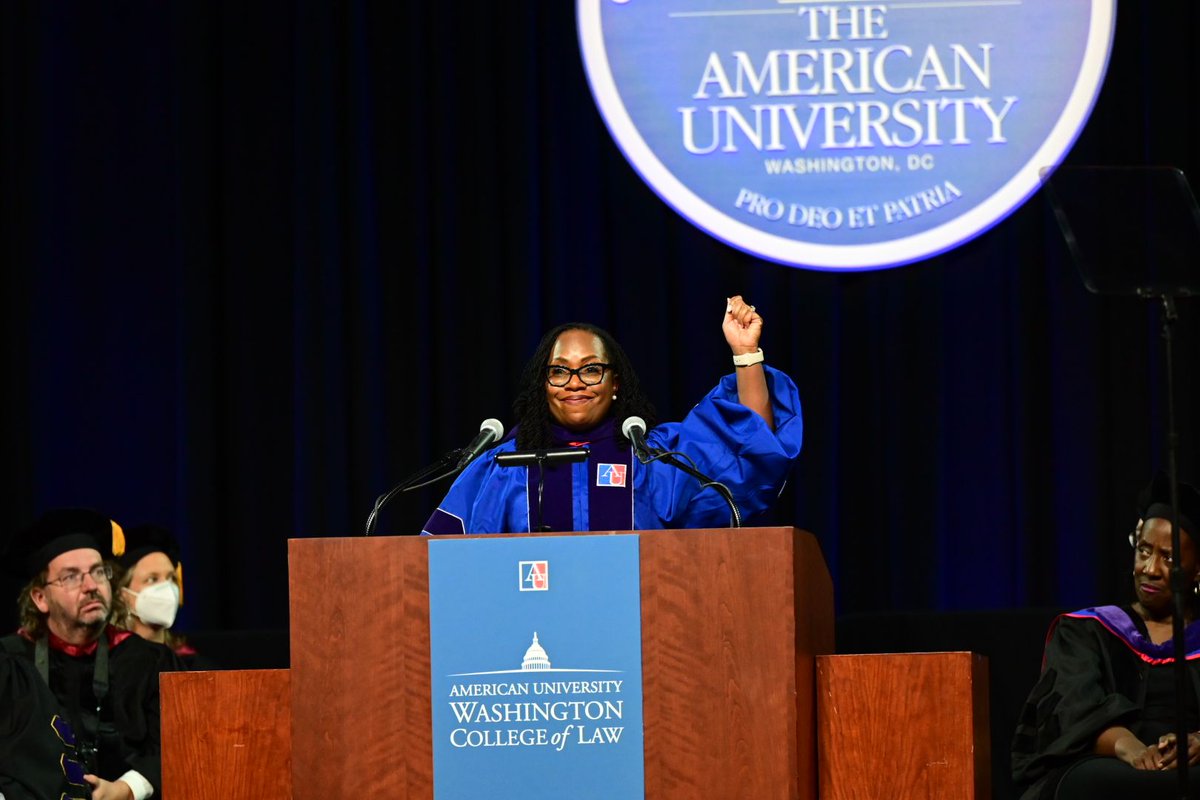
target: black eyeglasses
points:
(101, 573)
(590, 374)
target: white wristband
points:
(748, 359)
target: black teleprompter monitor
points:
(1131, 230)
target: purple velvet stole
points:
(1116, 620)
(609, 502)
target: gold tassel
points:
(118, 539)
(179, 579)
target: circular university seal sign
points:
(842, 134)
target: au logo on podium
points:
(535, 576)
(845, 134)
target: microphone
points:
(489, 432)
(634, 429)
(450, 464)
(552, 456)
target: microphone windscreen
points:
(493, 425)
(633, 423)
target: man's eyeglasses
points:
(101, 573)
(590, 374)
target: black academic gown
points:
(1094, 675)
(37, 745)
(191, 660)
(130, 709)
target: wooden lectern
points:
(903, 725)
(732, 621)
(736, 628)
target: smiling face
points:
(1152, 560)
(577, 406)
(76, 615)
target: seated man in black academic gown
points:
(37, 746)
(105, 679)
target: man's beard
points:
(95, 622)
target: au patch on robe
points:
(610, 474)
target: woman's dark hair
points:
(533, 411)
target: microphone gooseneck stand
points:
(450, 464)
(445, 467)
(1178, 587)
(539, 458)
(672, 457)
(634, 429)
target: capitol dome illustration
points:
(535, 656)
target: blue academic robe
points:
(727, 441)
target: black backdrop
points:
(263, 260)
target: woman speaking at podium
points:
(579, 390)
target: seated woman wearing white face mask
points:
(150, 590)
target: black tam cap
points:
(59, 531)
(142, 540)
(1155, 501)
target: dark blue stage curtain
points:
(263, 260)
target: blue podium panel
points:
(536, 667)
